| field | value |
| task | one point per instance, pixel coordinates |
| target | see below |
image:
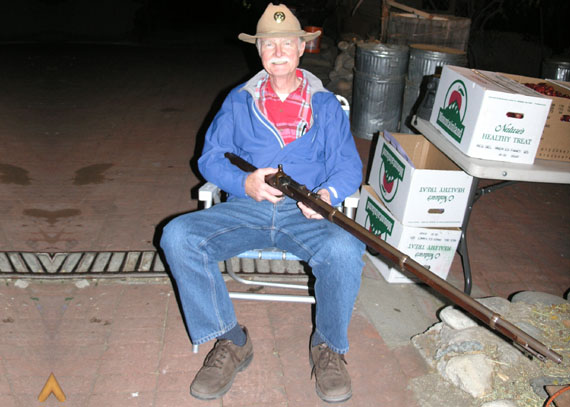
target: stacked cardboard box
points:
(415, 201)
(489, 116)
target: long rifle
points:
(300, 193)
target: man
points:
(283, 115)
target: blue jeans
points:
(195, 242)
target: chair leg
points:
(268, 297)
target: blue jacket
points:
(325, 157)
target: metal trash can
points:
(558, 69)
(379, 74)
(425, 59)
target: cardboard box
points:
(433, 192)
(488, 116)
(433, 248)
(555, 139)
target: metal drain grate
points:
(116, 264)
(60, 264)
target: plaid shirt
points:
(293, 116)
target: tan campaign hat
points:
(278, 21)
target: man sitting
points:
(283, 115)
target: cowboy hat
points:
(278, 21)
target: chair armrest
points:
(209, 194)
(351, 203)
(344, 104)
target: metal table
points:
(557, 172)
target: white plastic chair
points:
(209, 194)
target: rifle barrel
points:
(299, 192)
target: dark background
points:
(506, 35)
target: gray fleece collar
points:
(314, 82)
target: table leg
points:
(488, 189)
(462, 247)
(474, 194)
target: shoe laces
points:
(329, 360)
(219, 354)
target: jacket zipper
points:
(269, 126)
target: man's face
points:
(280, 56)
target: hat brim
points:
(304, 35)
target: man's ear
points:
(302, 48)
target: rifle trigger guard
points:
(331, 215)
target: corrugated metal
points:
(379, 75)
(424, 60)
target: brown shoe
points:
(333, 381)
(221, 365)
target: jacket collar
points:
(314, 82)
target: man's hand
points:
(308, 212)
(256, 188)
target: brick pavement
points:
(124, 343)
(96, 144)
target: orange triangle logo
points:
(51, 386)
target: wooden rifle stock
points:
(300, 193)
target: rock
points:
(456, 319)
(425, 342)
(458, 348)
(349, 64)
(481, 364)
(21, 283)
(495, 304)
(471, 373)
(500, 403)
(344, 59)
(534, 297)
(343, 45)
(342, 74)
(82, 283)
(477, 333)
(507, 353)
